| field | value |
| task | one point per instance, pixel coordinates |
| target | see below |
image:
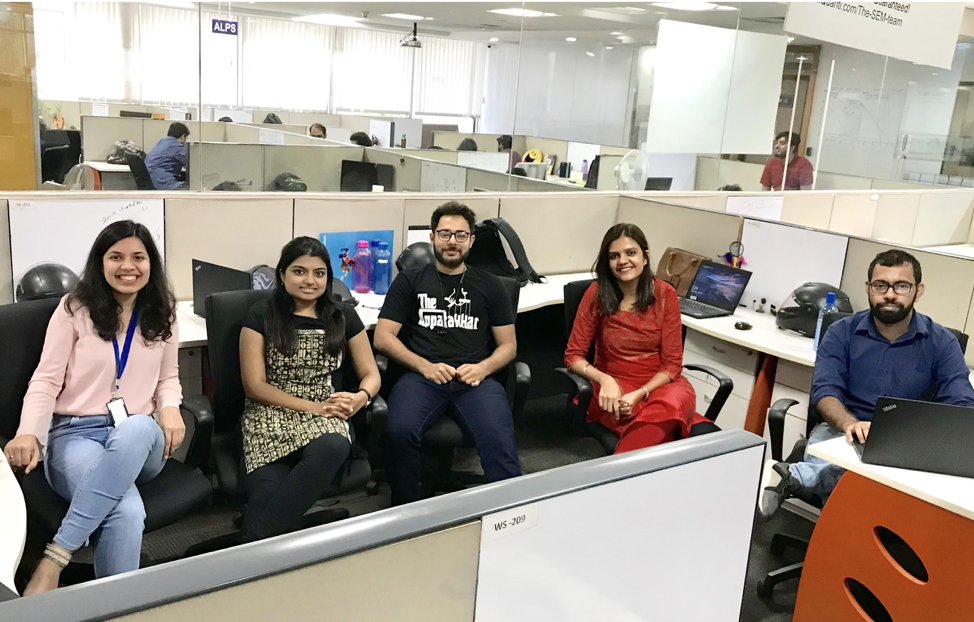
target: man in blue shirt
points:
(167, 159)
(889, 350)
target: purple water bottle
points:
(363, 268)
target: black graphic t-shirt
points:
(449, 325)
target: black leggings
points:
(279, 493)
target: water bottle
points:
(363, 268)
(373, 249)
(383, 269)
(828, 309)
(585, 170)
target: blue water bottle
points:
(828, 309)
(373, 249)
(383, 269)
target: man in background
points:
(318, 131)
(504, 145)
(799, 168)
(167, 159)
(361, 139)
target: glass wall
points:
(666, 96)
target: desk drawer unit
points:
(734, 412)
(726, 353)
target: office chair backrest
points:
(225, 312)
(961, 338)
(143, 181)
(341, 291)
(574, 292)
(23, 326)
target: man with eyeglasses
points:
(459, 324)
(890, 350)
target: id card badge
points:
(116, 408)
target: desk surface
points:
(192, 328)
(105, 167)
(955, 494)
(763, 337)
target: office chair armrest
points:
(522, 384)
(579, 387)
(776, 426)
(382, 362)
(725, 386)
(199, 448)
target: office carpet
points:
(542, 444)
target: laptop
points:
(923, 436)
(715, 292)
(210, 278)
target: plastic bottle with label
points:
(373, 249)
(382, 275)
(363, 268)
(828, 309)
(585, 170)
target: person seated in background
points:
(799, 168)
(730, 188)
(452, 311)
(167, 159)
(296, 434)
(361, 139)
(318, 130)
(225, 120)
(505, 144)
(890, 350)
(467, 144)
(638, 388)
(92, 410)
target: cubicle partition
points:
(514, 550)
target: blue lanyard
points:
(120, 361)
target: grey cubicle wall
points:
(425, 553)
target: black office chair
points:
(444, 437)
(225, 312)
(143, 181)
(177, 491)
(776, 430)
(581, 388)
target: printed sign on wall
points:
(922, 32)
(225, 27)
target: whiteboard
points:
(381, 130)
(490, 161)
(270, 137)
(439, 177)
(581, 151)
(782, 257)
(412, 128)
(631, 550)
(766, 207)
(62, 231)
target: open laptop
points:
(715, 292)
(923, 436)
(210, 278)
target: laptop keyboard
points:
(698, 309)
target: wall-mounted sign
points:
(225, 27)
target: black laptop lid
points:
(923, 436)
(719, 285)
(210, 278)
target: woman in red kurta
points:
(638, 389)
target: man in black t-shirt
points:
(459, 330)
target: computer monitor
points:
(659, 183)
(719, 285)
(387, 176)
(358, 176)
(210, 278)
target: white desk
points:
(192, 328)
(111, 176)
(958, 250)
(105, 167)
(955, 494)
(764, 336)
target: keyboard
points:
(699, 310)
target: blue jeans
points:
(483, 412)
(96, 465)
(817, 476)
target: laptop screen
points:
(719, 286)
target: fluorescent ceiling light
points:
(694, 6)
(608, 47)
(591, 54)
(615, 33)
(571, 39)
(412, 18)
(635, 8)
(494, 39)
(790, 39)
(522, 13)
(330, 19)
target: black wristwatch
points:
(367, 394)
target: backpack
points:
(488, 252)
(121, 148)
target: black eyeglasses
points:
(900, 287)
(445, 234)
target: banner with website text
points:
(922, 32)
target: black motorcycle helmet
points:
(415, 255)
(799, 311)
(46, 280)
(289, 182)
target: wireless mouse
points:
(742, 326)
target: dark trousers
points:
(483, 412)
(279, 493)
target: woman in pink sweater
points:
(108, 366)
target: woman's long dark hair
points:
(280, 319)
(610, 295)
(155, 302)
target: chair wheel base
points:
(372, 488)
(765, 589)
